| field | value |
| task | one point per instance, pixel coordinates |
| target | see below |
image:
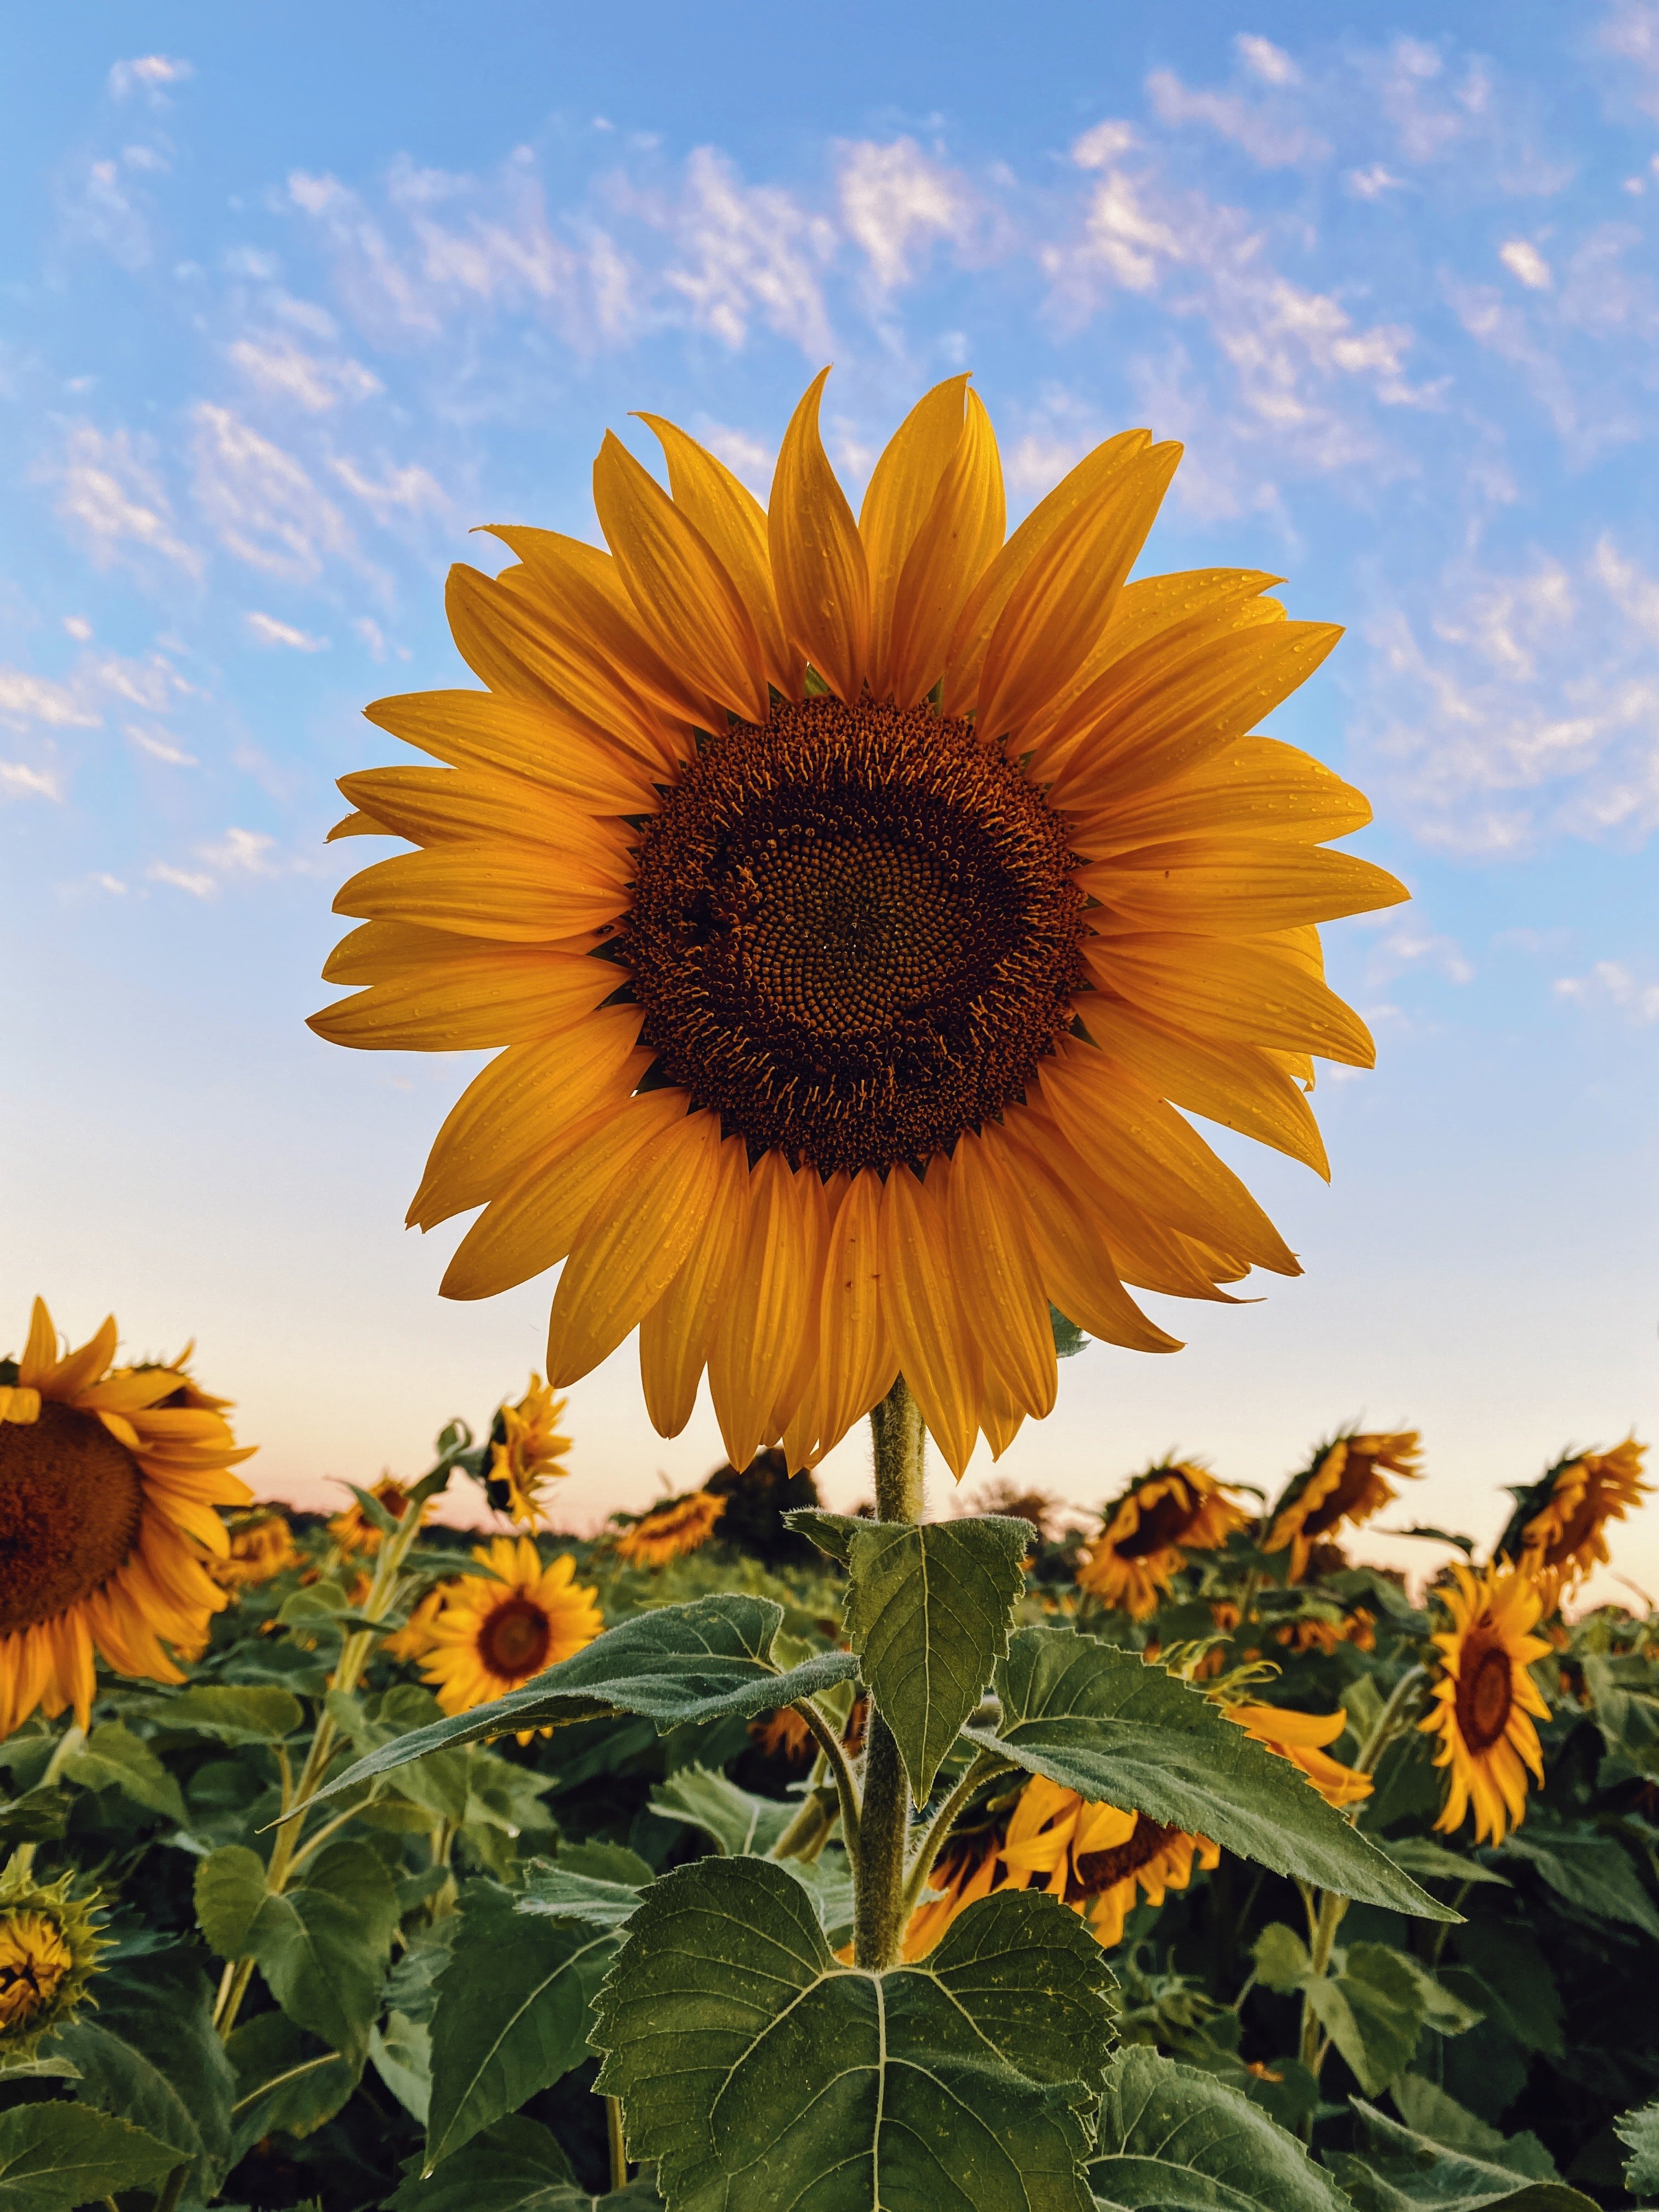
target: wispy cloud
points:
(897, 202)
(259, 501)
(265, 630)
(18, 780)
(152, 75)
(111, 499)
(1612, 984)
(277, 366)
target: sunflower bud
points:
(49, 1946)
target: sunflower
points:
(1096, 1857)
(1302, 1738)
(1145, 1533)
(783, 1734)
(110, 1478)
(353, 1531)
(672, 1529)
(1484, 1701)
(1344, 1484)
(490, 1636)
(1560, 1525)
(414, 1639)
(261, 1546)
(525, 1451)
(49, 1945)
(854, 903)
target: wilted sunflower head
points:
(49, 1946)
(526, 1451)
(111, 1480)
(1559, 1523)
(854, 902)
(1146, 1534)
(670, 1530)
(1344, 1486)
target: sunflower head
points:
(1344, 1486)
(110, 1482)
(1559, 1523)
(670, 1530)
(354, 1531)
(1484, 1701)
(491, 1633)
(526, 1451)
(261, 1546)
(49, 1945)
(857, 905)
(1146, 1533)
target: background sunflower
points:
(1483, 1700)
(1140, 1549)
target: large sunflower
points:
(110, 1482)
(490, 1636)
(1483, 1699)
(1146, 1534)
(1344, 1485)
(855, 902)
(1559, 1525)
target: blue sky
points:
(291, 298)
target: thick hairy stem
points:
(879, 1911)
(900, 1439)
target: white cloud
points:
(98, 208)
(1610, 983)
(149, 74)
(159, 744)
(241, 852)
(1370, 184)
(1268, 62)
(894, 201)
(1270, 134)
(747, 250)
(27, 782)
(407, 490)
(26, 699)
(1524, 262)
(1410, 947)
(185, 879)
(372, 636)
(77, 627)
(276, 366)
(1629, 33)
(112, 885)
(750, 459)
(267, 630)
(111, 495)
(259, 501)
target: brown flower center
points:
(1486, 1693)
(1096, 1871)
(854, 932)
(70, 1502)
(515, 1638)
(1162, 1523)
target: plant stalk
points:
(879, 1911)
(613, 2129)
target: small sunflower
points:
(490, 1636)
(49, 1946)
(1344, 1486)
(1484, 1700)
(1560, 1525)
(261, 1546)
(857, 908)
(353, 1531)
(1302, 1738)
(1146, 1534)
(525, 1451)
(672, 1529)
(110, 1482)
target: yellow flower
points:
(353, 1531)
(671, 1530)
(783, 1734)
(490, 1636)
(1146, 1534)
(1484, 1700)
(49, 1946)
(414, 1639)
(854, 904)
(1301, 1738)
(110, 1479)
(1344, 1484)
(527, 1451)
(261, 1546)
(1560, 1525)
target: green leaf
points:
(1433, 1862)
(552, 1890)
(322, 1966)
(1428, 2111)
(1503, 1969)
(286, 2081)
(516, 2166)
(761, 2073)
(232, 1715)
(1097, 1721)
(1372, 2012)
(361, 1879)
(54, 2157)
(1626, 1710)
(113, 1758)
(39, 1816)
(158, 2061)
(401, 2056)
(735, 1820)
(1640, 2131)
(1069, 1339)
(512, 2015)
(1182, 2140)
(1400, 2170)
(700, 1662)
(929, 1615)
(230, 1894)
(116, 2078)
(1281, 1957)
(1592, 1872)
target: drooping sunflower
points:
(854, 903)
(672, 1529)
(1344, 1484)
(261, 1546)
(1097, 1858)
(50, 1940)
(110, 1482)
(1146, 1533)
(490, 1636)
(353, 1531)
(1302, 1738)
(1484, 1701)
(526, 1451)
(1560, 1524)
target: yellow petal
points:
(1000, 1418)
(675, 1334)
(511, 893)
(1252, 990)
(517, 1109)
(901, 490)
(631, 1245)
(855, 1352)
(534, 738)
(937, 1353)
(470, 1001)
(535, 1220)
(750, 1358)
(1229, 887)
(689, 607)
(734, 521)
(40, 1352)
(77, 1370)
(1057, 610)
(483, 806)
(357, 825)
(990, 596)
(1257, 787)
(19, 1405)
(1230, 1084)
(958, 536)
(997, 1277)
(819, 564)
(811, 1236)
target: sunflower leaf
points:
(113, 1758)
(286, 2080)
(516, 2166)
(735, 1821)
(1098, 1721)
(758, 2071)
(1183, 2141)
(700, 1662)
(1592, 1872)
(53, 2157)
(1400, 2170)
(232, 1715)
(152, 2056)
(1640, 2131)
